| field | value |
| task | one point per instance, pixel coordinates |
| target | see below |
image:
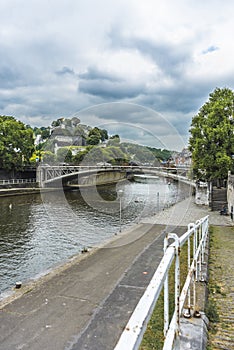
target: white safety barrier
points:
(133, 333)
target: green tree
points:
(104, 134)
(93, 140)
(16, 143)
(212, 137)
(94, 136)
(45, 133)
(114, 140)
(79, 157)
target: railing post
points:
(195, 250)
(166, 294)
(188, 313)
(177, 289)
(204, 237)
(199, 258)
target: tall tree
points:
(212, 136)
(16, 143)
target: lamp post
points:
(158, 202)
(120, 194)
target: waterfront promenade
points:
(86, 303)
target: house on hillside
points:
(68, 135)
(183, 158)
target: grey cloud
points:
(65, 70)
(128, 116)
(109, 90)
(105, 84)
(93, 73)
(9, 77)
(170, 58)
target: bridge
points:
(90, 175)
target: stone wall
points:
(202, 194)
(230, 194)
(102, 178)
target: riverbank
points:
(8, 192)
(94, 295)
(20, 191)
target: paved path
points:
(185, 212)
(86, 303)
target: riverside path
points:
(86, 303)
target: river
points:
(38, 232)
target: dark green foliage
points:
(43, 131)
(144, 154)
(211, 311)
(93, 140)
(16, 143)
(212, 137)
(114, 140)
(160, 154)
(96, 135)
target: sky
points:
(141, 69)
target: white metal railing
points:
(16, 181)
(48, 173)
(133, 333)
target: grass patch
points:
(211, 309)
(213, 288)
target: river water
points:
(38, 232)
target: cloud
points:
(210, 49)
(167, 56)
(110, 90)
(60, 57)
(94, 73)
(65, 70)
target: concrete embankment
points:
(7, 192)
(20, 191)
(87, 303)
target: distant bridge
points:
(57, 175)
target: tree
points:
(80, 156)
(114, 140)
(96, 135)
(93, 140)
(16, 143)
(104, 134)
(212, 137)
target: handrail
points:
(133, 333)
(49, 173)
(16, 181)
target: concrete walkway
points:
(86, 303)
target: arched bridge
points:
(69, 175)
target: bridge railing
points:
(133, 333)
(16, 181)
(49, 172)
